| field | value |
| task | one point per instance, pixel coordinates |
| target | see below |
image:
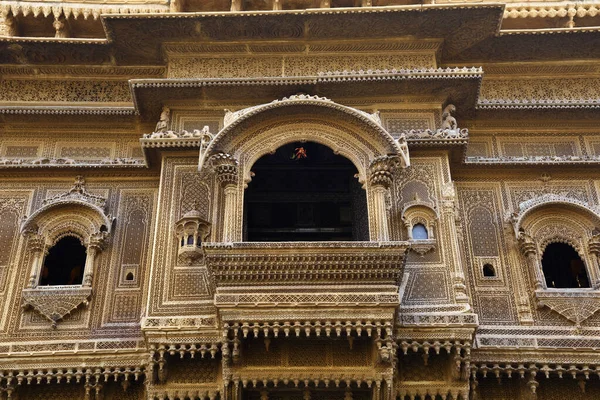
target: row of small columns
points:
(238, 5)
(381, 172)
(309, 384)
(531, 373)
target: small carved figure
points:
(163, 122)
(60, 26)
(448, 121)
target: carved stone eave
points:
(461, 85)
(306, 263)
(576, 305)
(55, 302)
(422, 20)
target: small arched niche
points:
(563, 267)
(304, 192)
(65, 263)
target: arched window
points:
(563, 268)
(64, 264)
(489, 271)
(419, 232)
(304, 192)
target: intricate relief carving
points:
(574, 305)
(56, 302)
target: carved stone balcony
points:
(358, 279)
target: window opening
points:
(489, 271)
(129, 276)
(64, 263)
(419, 232)
(563, 268)
(305, 192)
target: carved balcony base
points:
(573, 304)
(55, 302)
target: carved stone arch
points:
(94, 214)
(534, 206)
(346, 130)
(559, 225)
(80, 219)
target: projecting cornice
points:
(459, 86)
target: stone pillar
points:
(226, 168)
(37, 246)
(529, 250)
(381, 173)
(94, 247)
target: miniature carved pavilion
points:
(299, 200)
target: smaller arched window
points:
(65, 263)
(563, 267)
(419, 232)
(489, 271)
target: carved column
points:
(594, 248)
(226, 168)
(37, 246)
(381, 173)
(529, 250)
(95, 245)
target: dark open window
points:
(489, 271)
(304, 192)
(563, 268)
(64, 263)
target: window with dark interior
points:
(305, 192)
(64, 263)
(489, 271)
(419, 232)
(563, 268)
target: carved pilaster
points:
(37, 246)
(449, 217)
(381, 172)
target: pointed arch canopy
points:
(359, 129)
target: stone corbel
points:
(54, 303)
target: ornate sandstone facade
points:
(299, 199)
